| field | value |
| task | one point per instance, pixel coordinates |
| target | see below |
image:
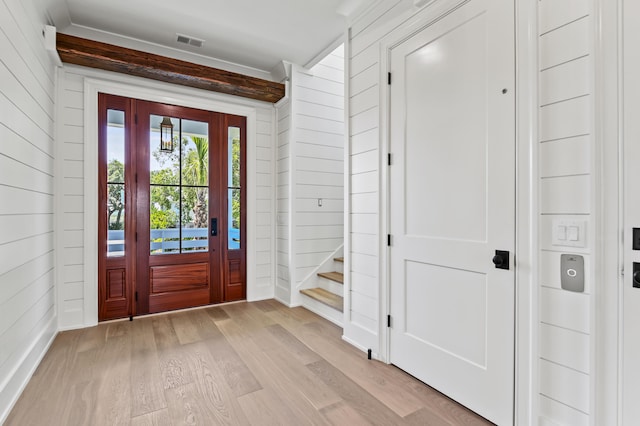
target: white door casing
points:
(452, 204)
(630, 303)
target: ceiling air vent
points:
(191, 41)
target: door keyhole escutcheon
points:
(501, 259)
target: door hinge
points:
(389, 159)
(389, 240)
(136, 296)
(136, 176)
(389, 321)
(135, 118)
(388, 78)
(136, 237)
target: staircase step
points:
(339, 259)
(333, 276)
(323, 296)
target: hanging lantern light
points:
(166, 135)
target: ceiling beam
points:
(94, 54)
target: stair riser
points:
(331, 286)
(323, 310)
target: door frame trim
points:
(526, 268)
(167, 94)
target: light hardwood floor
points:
(242, 364)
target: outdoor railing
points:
(168, 240)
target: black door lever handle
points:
(214, 226)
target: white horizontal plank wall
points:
(283, 202)
(362, 321)
(318, 163)
(27, 275)
(71, 133)
(263, 170)
(565, 189)
(71, 206)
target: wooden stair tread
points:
(333, 276)
(326, 297)
(339, 259)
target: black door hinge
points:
(388, 320)
(136, 237)
(389, 240)
(136, 296)
(389, 159)
(388, 78)
(135, 118)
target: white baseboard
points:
(21, 375)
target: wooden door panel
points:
(115, 264)
(178, 300)
(116, 284)
(236, 254)
(177, 278)
(235, 281)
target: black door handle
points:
(501, 259)
(214, 226)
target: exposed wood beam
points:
(89, 53)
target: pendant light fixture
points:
(166, 135)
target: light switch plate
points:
(569, 233)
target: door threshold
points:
(173, 311)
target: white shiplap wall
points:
(71, 297)
(71, 208)
(565, 136)
(310, 167)
(27, 151)
(283, 202)
(362, 316)
(318, 106)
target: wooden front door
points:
(172, 234)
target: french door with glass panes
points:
(172, 203)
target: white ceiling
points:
(253, 33)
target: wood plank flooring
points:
(255, 363)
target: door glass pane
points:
(115, 183)
(234, 219)
(163, 166)
(163, 217)
(195, 151)
(195, 185)
(234, 188)
(179, 179)
(195, 217)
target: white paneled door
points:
(452, 205)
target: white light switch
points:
(562, 233)
(569, 233)
(573, 233)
